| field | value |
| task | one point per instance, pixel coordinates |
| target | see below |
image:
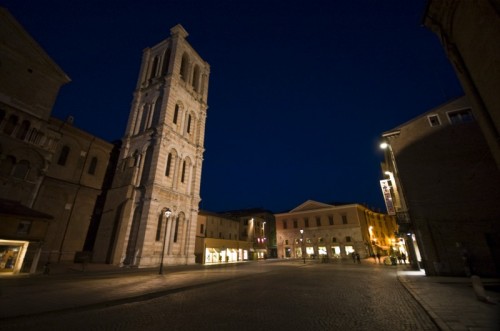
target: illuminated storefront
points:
(12, 255)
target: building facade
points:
(468, 31)
(448, 181)
(51, 173)
(320, 230)
(218, 240)
(258, 227)
(160, 162)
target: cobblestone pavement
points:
(279, 294)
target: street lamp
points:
(302, 248)
(168, 212)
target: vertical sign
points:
(386, 192)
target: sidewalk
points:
(450, 301)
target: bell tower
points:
(160, 162)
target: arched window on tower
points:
(169, 165)
(196, 78)
(154, 68)
(184, 67)
(183, 173)
(188, 127)
(63, 156)
(176, 114)
(166, 61)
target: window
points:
(318, 221)
(295, 225)
(334, 240)
(7, 165)
(202, 228)
(23, 130)
(169, 162)
(344, 219)
(330, 219)
(286, 242)
(154, 68)
(10, 125)
(166, 60)
(460, 116)
(63, 157)
(348, 239)
(92, 166)
(434, 120)
(158, 228)
(21, 169)
(184, 67)
(183, 171)
(24, 227)
(188, 129)
(196, 78)
(176, 231)
(284, 225)
(306, 222)
(176, 114)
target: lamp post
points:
(402, 213)
(168, 212)
(302, 246)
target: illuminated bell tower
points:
(160, 162)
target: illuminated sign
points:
(386, 192)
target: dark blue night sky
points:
(299, 92)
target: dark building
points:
(445, 185)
